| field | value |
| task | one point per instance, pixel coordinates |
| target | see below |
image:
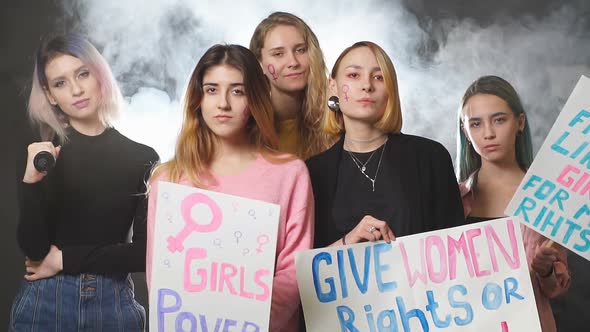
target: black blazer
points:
(423, 174)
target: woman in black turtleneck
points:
(75, 219)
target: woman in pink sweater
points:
(228, 144)
(493, 153)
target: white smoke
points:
(153, 45)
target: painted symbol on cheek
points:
(262, 240)
(272, 71)
(345, 89)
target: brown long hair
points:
(195, 146)
(312, 138)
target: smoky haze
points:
(152, 46)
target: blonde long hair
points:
(312, 139)
(195, 146)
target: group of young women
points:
(250, 117)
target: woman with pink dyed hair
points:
(75, 218)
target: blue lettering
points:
(460, 304)
(343, 283)
(491, 297)
(162, 310)
(431, 307)
(527, 204)
(406, 315)
(346, 323)
(364, 284)
(510, 287)
(331, 294)
(383, 286)
(586, 236)
(178, 326)
(557, 145)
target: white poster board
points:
(469, 278)
(554, 196)
(213, 261)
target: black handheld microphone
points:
(44, 161)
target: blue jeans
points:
(83, 302)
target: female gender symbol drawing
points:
(262, 240)
(175, 243)
(272, 71)
(345, 89)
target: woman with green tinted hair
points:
(494, 151)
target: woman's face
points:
(285, 59)
(224, 105)
(491, 127)
(360, 86)
(73, 87)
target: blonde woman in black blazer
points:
(375, 182)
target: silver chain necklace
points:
(363, 168)
(357, 161)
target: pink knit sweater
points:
(288, 185)
(544, 288)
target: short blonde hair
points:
(391, 121)
(50, 119)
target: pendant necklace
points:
(362, 167)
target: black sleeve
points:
(32, 229)
(448, 207)
(115, 258)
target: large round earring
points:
(334, 104)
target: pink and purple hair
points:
(50, 119)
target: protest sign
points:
(213, 261)
(469, 278)
(553, 198)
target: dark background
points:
(23, 22)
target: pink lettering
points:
(453, 248)
(441, 275)
(414, 276)
(258, 280)
(473, 233)
(492, 237)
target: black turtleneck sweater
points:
(88, 203)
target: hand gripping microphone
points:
(44, 161)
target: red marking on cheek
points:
(246, 112)
(345, 89)
(272, 71)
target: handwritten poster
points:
(469, 278)
(213, 261)
(554, 196)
